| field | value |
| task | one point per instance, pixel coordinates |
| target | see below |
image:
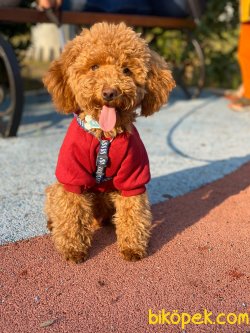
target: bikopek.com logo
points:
(164, 317)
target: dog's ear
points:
(56, 80)
(159, 83)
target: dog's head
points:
(107, 72)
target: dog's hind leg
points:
(70, 217)
(133, 222)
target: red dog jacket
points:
(128, 164)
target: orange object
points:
(244, 57)
(244, 11)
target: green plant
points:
(217, 33)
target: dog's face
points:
(107, 72)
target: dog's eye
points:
(94, 67)
(127, 71)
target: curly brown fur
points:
(133, 221)
(105, 56)
(96, 59)
(70, 220)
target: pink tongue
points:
(107, 118)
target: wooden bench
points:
(25, 15)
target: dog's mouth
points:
(107, 118)
(111, 114)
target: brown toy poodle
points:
(103, 76)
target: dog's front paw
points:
(75, 257)
(133, 255)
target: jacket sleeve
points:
(72, 167)
(134, 172)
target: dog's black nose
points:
(109, 94)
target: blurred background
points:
(217, 32)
